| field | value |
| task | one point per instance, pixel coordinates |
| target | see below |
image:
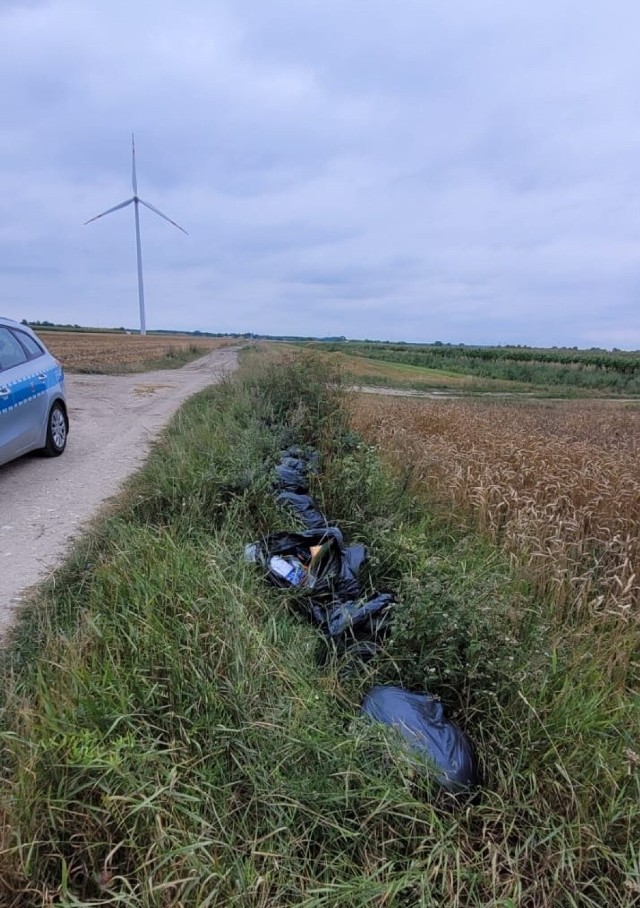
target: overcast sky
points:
(464, 171)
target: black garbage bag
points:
(308, 455)
(304, 507)
(353, 622)
(328, 566)
(360, 619)
(353, 630)
(296, 464)
(335, 568)
(420, 719)
(291, 476)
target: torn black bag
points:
(331, 569)
(304, 507)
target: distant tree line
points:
(247, 335)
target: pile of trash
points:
(324, 571)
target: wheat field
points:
(555, 484)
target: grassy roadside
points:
(170, 736)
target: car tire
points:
(57, 431)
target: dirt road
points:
(114, 418)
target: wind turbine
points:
(136, 202)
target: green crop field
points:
(561, 370)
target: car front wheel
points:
(56, 432)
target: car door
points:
(40, 375)
(21, 400)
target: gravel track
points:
(44, 503)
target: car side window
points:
(11, 351)
(32, 347)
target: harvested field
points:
(115, 352)
(555, 484)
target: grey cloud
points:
(410, 170)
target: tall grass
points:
(174, 735)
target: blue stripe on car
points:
(22, 391)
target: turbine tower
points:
(137, 201)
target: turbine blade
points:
(134, 179)
(109, 210)
(157, 211)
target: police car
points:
(33, 407)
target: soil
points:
(47, 502)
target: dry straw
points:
(84, 351)
(555, 484)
